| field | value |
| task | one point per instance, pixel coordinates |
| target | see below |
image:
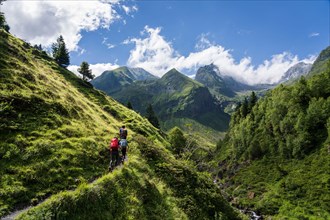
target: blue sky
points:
(253, 41)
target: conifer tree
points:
(60, 52)
(85, 71)
(252, 101)
(3, 23)
(129, 105)
(244, 108)
(151, 116)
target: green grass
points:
(54, 127)
(54, 132)
(132, 192)
(152, 185)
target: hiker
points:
(114, 153)
(123, 132)
(123, 145)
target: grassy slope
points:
(152, 186)
(279, 154)
(320, 63)
(54, 127)
(54, 134)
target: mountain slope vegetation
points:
(321, 63)
(54, 131)
(177, 101)
(275, 159)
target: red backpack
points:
(114, 144)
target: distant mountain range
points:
(174, 96)
(113, 80)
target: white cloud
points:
(106, 43)
(203, 42)
(157, 56)
(314, 34)
(128, 10)
(81, 51)
(97, 69)
(41, 22)
(152, 53)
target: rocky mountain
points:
(295, 72)
(220, 84)
(55, 130)
(227, 91)
(175, 96)
(113, 80)
(211, 77)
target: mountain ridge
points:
(173, 96)
(113, 80)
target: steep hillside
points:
(321, 63)
(276, 158)
(175, 96)
(114, 80)
(153, 185)
(54, 131)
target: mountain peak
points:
(113, 80)
(175, 77)
(210, 69)
(296, 71)
(173, 73)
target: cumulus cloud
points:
(41, 22)
(152, 53)
(97, 69)
(157, 56)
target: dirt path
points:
(14, 214)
